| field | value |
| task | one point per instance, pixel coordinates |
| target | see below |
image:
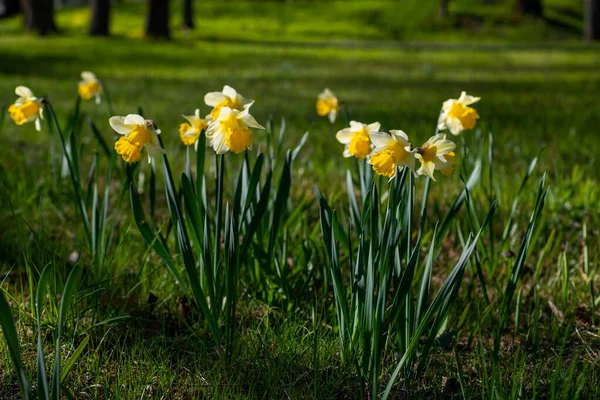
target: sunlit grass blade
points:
(65, 304)
(12, 342)
(40, 300)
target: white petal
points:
(374, 127)
(467, 99)
(400, 136)
(98, 99)
(345, 135)
(347, 153)
(250, 122)
(24, 92)
(380, 139)
(38, 125)
(88, 76)
(229, 92)
(356, 126)
(219, 145)
(134, 119)
(214, 98)
(332, 115)
(225, 113)
(119, 125)
(197, 113)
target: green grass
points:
(538, 99)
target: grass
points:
(537, 100)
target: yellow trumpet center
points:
(384, 162)
(87, 89)
(24, 112)
(466, 115)
(130, 146)
(190, 138)
(237, 137)
(325, 106)
(360, 145)
(451, 158)
(228, 102)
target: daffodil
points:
(89, 86)
(229, 97)
(456, 114)
(190, 131)
(137, 132)
(390, 152)
(327, 104)
(231, 130)
(26, 108)
(357, 139)
(436, 153)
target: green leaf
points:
(65, 303)
(12, 342)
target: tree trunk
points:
(592, 20)
(100, 22)
(188, 14)
(444, 8)
(157, 19)
(11, 7)
(531, 7)
(39, 16)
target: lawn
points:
(539, 98)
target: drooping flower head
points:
(137, 132)
(357, 138)
(231, 131)
(26, 108)
(190, 131)
(391, 151)
(229, 97)
(456, 114)
(436, 153)
(89, 86)
(327, 104)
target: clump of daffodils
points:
(392, 152)
(357, 139)
(190, 131)
(327, 104)
(26, 108)
(456, 114)
(137, 132)
(89, 87)
(228, 97)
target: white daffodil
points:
(436, 153)
(89, 86)
(327, 104)
(26, 108)
(229, 97)
(190, 131)
(231, 130)
(357, 138)
(456, 114)
(137, 132)
(391, 151)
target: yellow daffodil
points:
(456, 114)
(229, 97)
(357, 138)
(231, 131)
(26, 108)
(190, 131)
(391, 151)
(327, 104)
(138, 132)
(89, 86)
(436, 153)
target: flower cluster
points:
(389, 152)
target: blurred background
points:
(535, 63)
